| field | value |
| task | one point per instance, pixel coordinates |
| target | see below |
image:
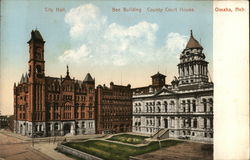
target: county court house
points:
(183, 109)
(49, 106)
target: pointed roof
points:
(158, 75)
(26, 78)
(35, 35)
(22, 79)
(88, 78)
(193, 43)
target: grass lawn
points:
(115, 151)
(128, 138)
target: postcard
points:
(124, 80)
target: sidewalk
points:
(55, 138)
(49, 150)
(47, 145)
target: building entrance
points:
(66, 128)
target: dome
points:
(193, 43)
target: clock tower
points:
(36, 80)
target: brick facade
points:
(114, 109)
(46, 105)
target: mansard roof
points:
(88, 78)
(193, 43)
(35, 35)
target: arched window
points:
(166, 106)
(56, 127)
(38, 69)
(172, 106)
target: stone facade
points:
(48, 106)
(185, 107)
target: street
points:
(12, 148)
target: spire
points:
(67, 73)
(26, 78)
(22, 79)
(193, 43)
(67, 70)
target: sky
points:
(120, 41)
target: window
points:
(82, 115)
(204, 101)
(195, 123)
(166, 106)
(211, 105)
(56, 126)
(205, 123)
(188, 101)
(90, 114)
(38, 69)
(194, 106)
(211, 123)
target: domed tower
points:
(192, 68)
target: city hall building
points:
(49, 106)
(182, 109)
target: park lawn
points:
(128, 138)
(116, 151)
